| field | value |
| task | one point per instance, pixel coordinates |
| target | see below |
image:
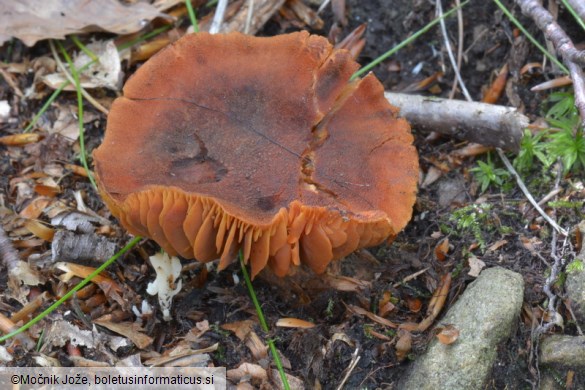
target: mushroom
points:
(231, 142)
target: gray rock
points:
(451, 190)
(566, 351)
(575, 286)
(485, 315)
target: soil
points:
(490, 41)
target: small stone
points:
(567, 351)
(575, 286)
(451, 191)
(485, 315)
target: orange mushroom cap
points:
(229, 142)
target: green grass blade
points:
(75, 73)
(192, 16)
(531, 38)
(263, 323)
(66, 83)
(407, 41)
(144, 37)
(84, 48)
(52, 98)
(575, 15)
(78, 287)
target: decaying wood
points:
(487, 124)
(81, 248)
(237, 13)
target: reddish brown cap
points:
(228, 142)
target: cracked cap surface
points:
(226, 142)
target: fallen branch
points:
(529, 196)
(573, 58)
(487, 124)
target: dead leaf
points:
(497, 245)
(257, 348)
(447, 334)
(62, 332)
(554, 317)
(433, 174)
(562, 81)
(495, 90)
(30, 308)
(385, 308)
(305, 13)
(35, 208)
(5, 356)
(294, 323)
(240, 328)
(104, 73)
(378, 335)
(48, 190)
(339, 337)
(354, 41)
(435, 305)
(414, 304)
(183, 356)
(20, 139)
(530, 243)
(385, 304)
(293, 381)
(75, 221)
(200, 329)
(67, 123)
(40, 230)
(436, 234)
(403, 345)
(111, 289)
(130, 330)
(471, 150)
(22, 273)
(254, 371)
(346, 283)
(58, 18)
(475, 266)
(442, 249)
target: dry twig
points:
(487, 124)
(528, 195)
(455, 64)
(355, 358)
(573, 58)
(218, 17)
